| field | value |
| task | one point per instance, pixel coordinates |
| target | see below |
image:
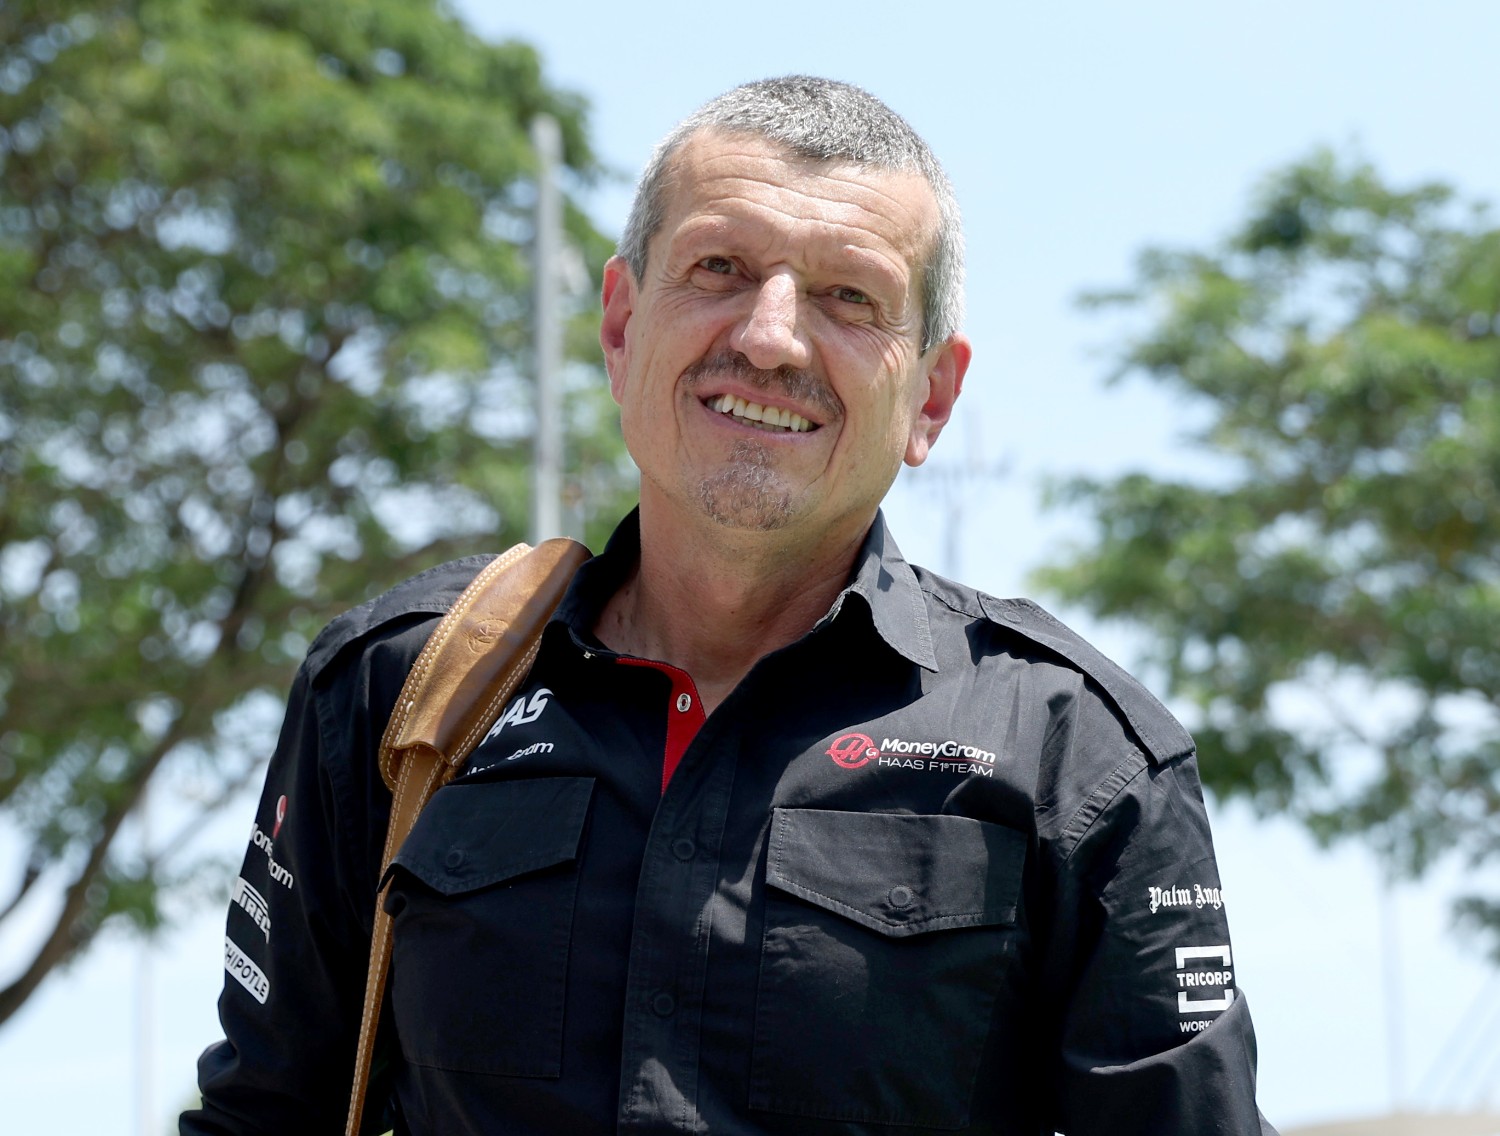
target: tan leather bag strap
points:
(472, 663)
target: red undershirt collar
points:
(684, 713)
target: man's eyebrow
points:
(728, 235)
(867, 263)
(702, 232)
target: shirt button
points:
(684, 702)
(455, 859)
(663, 1004)
(683, 848)
(900, 896)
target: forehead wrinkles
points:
(827, 245)
(750, 178)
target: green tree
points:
(1329, 600)
(263, 351)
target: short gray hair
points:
(821, 120)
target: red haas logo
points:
(280, 816)
(852, 750)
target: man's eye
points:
(721, 265)
(850, 296)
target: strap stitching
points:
(380, 957)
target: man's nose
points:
(772, 334)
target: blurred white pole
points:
(1391, 956)
(145, 1007)
(546, 484)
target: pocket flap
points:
(897, 873)
(472, 835)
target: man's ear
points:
(619, 304)
(945, 366)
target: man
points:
(783, 835)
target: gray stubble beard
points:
(746, 493)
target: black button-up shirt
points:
(935, 866)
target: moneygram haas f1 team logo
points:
(853, 750)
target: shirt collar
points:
(889, 587)
(881, 578)
(599, 578)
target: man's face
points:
(768, 367)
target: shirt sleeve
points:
(297, 933)
(1155, 1036)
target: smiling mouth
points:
(770, 418)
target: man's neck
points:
(712, 601)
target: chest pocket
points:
(884, 945)
(481, 899)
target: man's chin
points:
(747, 492)
(747, 497)
(735, 507)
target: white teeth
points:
(754, 412)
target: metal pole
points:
(546, 484)
(145, 1004)
(1391, 960)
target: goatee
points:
(747, 493)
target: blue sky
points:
(1075, 134)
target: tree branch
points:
(29, 876)
(69, 932)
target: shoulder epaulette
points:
(1162, 736)
(431, 593)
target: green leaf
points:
(258, 280)
(1328, 611)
